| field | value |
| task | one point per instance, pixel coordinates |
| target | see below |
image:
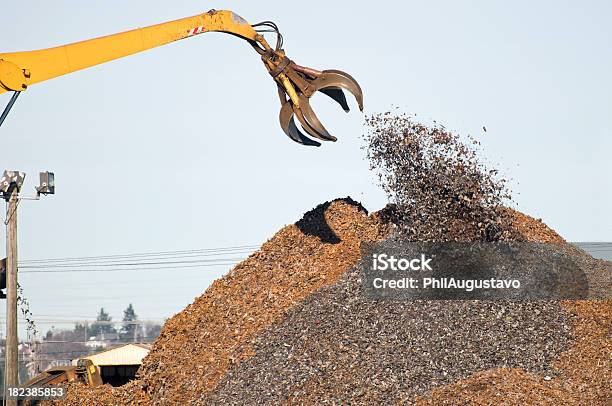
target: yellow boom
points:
(296, 83)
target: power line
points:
(131, 269)
(110, 260)
(29, 264)
(104, 322)
(35, 355)
(157, 260)
(79, 317)
(87, 342)
(141, 254)
(195, 261)
(75, 317)
(111, 342)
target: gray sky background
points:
(179, 147)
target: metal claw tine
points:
(306, 126)
(334, 78)
(338, 95)
(312, 120)
(303, 139)
(290, 128)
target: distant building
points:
(103, 340)
(118, 365)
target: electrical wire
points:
(140, 259)
(195, 261)
(90, 322)
(156, 260)
(86, 342)
(147, 254)
(231, 263)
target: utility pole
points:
(10, 186)
(12, 341)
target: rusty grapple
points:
(296, 84)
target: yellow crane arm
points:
(21, 69)
(296, 84)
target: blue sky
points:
(179, 147)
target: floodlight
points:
(9, 178)
(47, 183)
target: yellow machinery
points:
(296, 84)
(85, 372)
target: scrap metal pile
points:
(290, 325)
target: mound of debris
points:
(291, 325)
(319, 340)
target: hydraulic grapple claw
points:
(296, 85)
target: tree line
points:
(104, 328)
